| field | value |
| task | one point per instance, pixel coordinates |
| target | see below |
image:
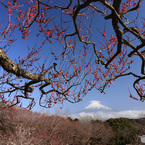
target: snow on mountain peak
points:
(95, 105)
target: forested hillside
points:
(20, 126)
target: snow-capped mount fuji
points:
(94, 111)
(95, 106)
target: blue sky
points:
(116, 97)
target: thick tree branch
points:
(11, 67)
(118, 32)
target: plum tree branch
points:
(11, 67)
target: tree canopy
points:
(73, 47)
